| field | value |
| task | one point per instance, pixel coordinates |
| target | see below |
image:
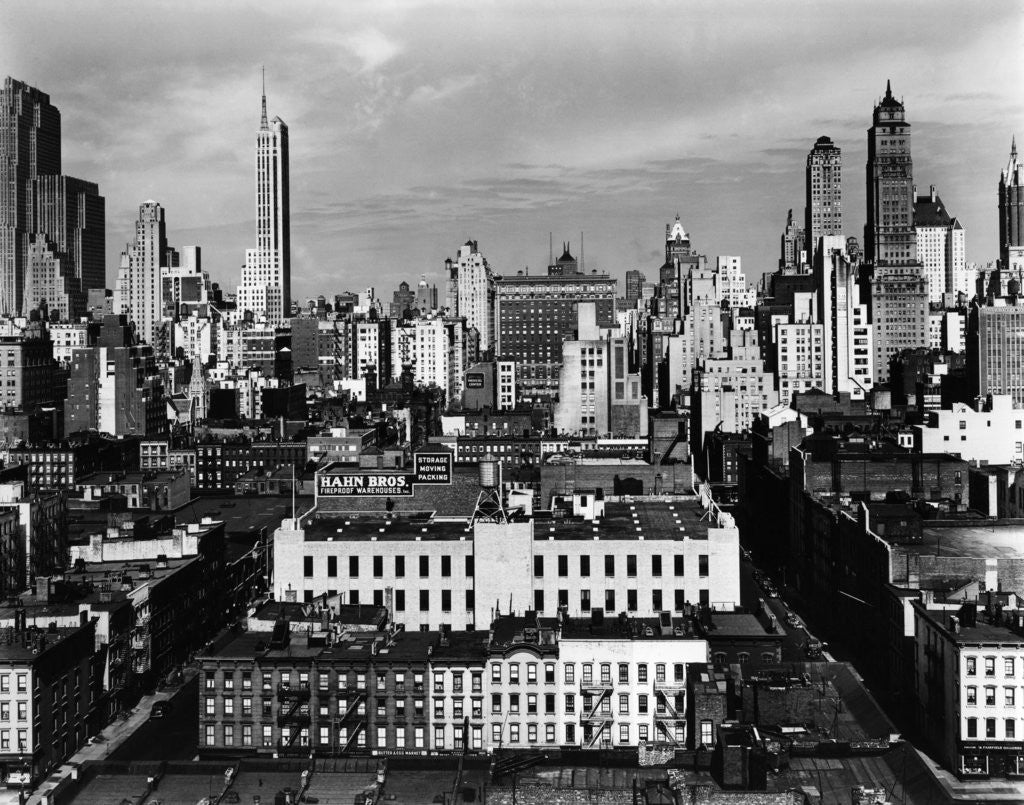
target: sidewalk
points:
(114, 735)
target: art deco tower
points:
(266, 276)
(1011, 213)
(824, 212)
(899, 289)
(52, 228)
(889, 233)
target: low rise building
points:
(48, 691)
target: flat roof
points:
(621, 521)
(19, 652)
(243, 513)
(401, 646)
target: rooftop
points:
(650, 520)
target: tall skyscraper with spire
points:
(266, 276)
(1011, 213)
(899, 288)
(52, 227)
(823, 216)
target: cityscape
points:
(639, 523)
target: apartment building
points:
(529, 682)
(48, 691)
(969, 667)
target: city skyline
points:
(407, 141)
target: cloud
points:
(372, 48)
(427, 93)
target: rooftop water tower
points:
(488, 503)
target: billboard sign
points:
(428, 468)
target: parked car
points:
(793, 621)
(160, 710)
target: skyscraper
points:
(266, 275)
(899, 289)
(823, 216)
(889, 232)
(1011, 213)
(471, 292)
(139, 290)
(634, 284)
(941, 247)
(52, 228)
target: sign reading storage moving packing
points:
(338, 480)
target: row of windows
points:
(587, 672)
(678, 565)
(377, 563)
(1009, 666)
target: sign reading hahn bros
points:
(338, 480)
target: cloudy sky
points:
(418, 125)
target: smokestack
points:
(932, 193)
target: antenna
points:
(551, 249)
(581, 251)
(263, 114)
(295, 524)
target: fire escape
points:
(667, 716)
(354, 696)
(141, 644)
(293, 713)
(596, 718)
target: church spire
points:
(263, 116)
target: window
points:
(424, 600)
(513, 673)
(972, 666)
(678, 565)
(609, 565)
(399, 566)
(446, 566)
(456, 681)
(1009, 696)
(470, 600)
(496, 734)
(531, 673)
(469, 566)
(513, 733)
(210, 680)
(642, 702)
(538, 566)
(247, 735)
(990, 728)
(229, 707)
(623, 704)
(990, 666)
(609, 600)
(332, 566)
(656, 600)
(268, 735)
(656, 565)
(1008, 666)
(307, 567)
(382, 736)
(446, 600)
(570, 703)
(972, 695)
(549, 733)
(680, 600)
(584, 565)
(538, 600)
(496, 673)
(570, 733)
(990, 696)
(659, 672)
(211, 706)
(353, 566)
(623, 673)
(631, 565)
(631, 600)
(702, 564)
(570, 673)
(424, 567)
(563, 565)
(1010, 728)
(399, 600)
(513, 702)
(211, 738)
(531, 704)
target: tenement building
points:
(322, 683)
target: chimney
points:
(954, 624)
(932, 193)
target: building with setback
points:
(266, 276)
(53, 236)
(941, 247)
(823, 216)
(899, 288)
(1011, 214)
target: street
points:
(175, 736)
